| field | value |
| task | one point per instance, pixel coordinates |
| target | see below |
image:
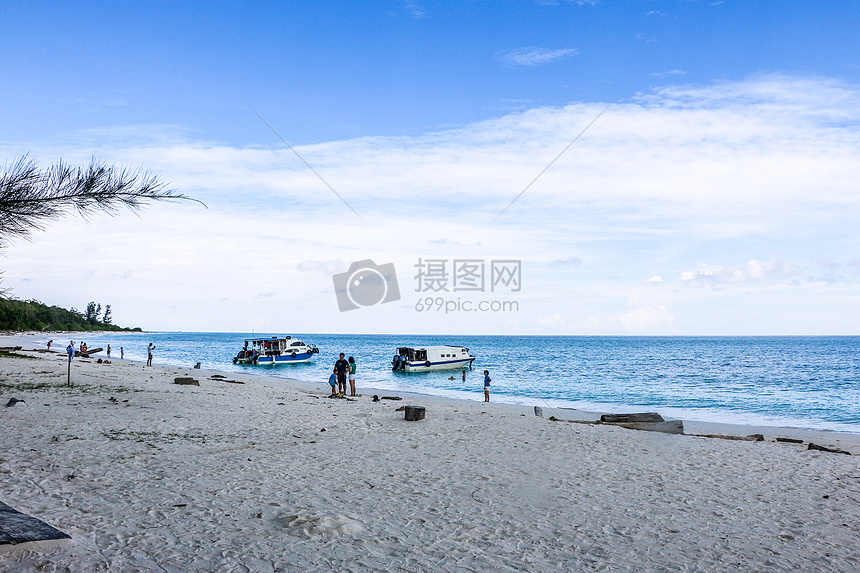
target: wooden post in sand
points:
(414, 413)
(69, 375)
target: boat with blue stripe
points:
(274, 350)
(427, 358)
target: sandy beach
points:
(249, 473)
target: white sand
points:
(242, 477)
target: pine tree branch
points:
(30, 198)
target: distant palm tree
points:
(29, 197)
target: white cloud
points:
(654, 279)
(577, 2)
(753, 271)
(647, 319)
(568, 262)
(636, 320)
(414, 9)
(326, 268)
(554, 321)
(683, 174)
(533, 56)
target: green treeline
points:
(19, 315)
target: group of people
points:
(70, 350)
(343, 369)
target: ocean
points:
(794, 381)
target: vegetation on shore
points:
(9, 354)
(19, 315)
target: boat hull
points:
(418, 366)
(276, 360)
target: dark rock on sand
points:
(825, 449)
(631, 418)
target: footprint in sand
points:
(325, 525)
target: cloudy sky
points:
(524, 167)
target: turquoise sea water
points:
(804, 382)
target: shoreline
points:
(266, 474)
(691, 426)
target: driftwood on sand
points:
(825, 449)
(750, 438)
(646, 421)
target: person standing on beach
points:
(149, 354)
(352, 367)
(487, 381)
(332, 380)
(340, 368)
(108, 351)
(70, 350)
(121, 353)
(50, 342)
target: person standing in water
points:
(487, 381)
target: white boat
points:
(428, 358)
(274, 350)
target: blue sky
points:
(717, 195)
